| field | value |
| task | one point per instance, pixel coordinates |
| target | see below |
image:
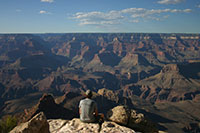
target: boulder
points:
(119, 114)
(112, 127)
(130, 118)
(38, 124)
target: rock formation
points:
(128, 117)
(173, 83)
(51, 110)
(75, 125)
(122, 119)
(38, 124)
(119, 114)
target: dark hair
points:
(88, 94)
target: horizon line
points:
(100, 33)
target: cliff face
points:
(156, 49)
(170, 84)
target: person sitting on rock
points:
(88, 110)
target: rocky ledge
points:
(119, 120)
(50, 117)
(39, 124)
(76, 126)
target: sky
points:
(91, 16)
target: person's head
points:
(88, 94)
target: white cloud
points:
(112, 15)
(142, 13)
(133, 15)
(44, 12)
(170, 1)
(49, 1)
(198, 6)
(132, 10)
(187, 10)
(98, 18)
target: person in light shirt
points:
(88, 110)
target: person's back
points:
(87, 109)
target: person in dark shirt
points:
(88, 110)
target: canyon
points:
(156, 74)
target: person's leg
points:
(100, 118)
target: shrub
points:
(7, 124)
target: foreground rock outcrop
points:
(38, 124)
(76, 126)
(122, 119)
(62, 120)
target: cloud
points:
(187, 10)
(44, 12)
(198, 6)
(49, 1)
(130, 15)
(96, 18)
(170, 1)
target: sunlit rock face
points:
(75, 125)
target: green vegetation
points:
(7, 124)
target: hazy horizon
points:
(98, 33)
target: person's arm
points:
(79, 110)
(96, 110)
(79, 107)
